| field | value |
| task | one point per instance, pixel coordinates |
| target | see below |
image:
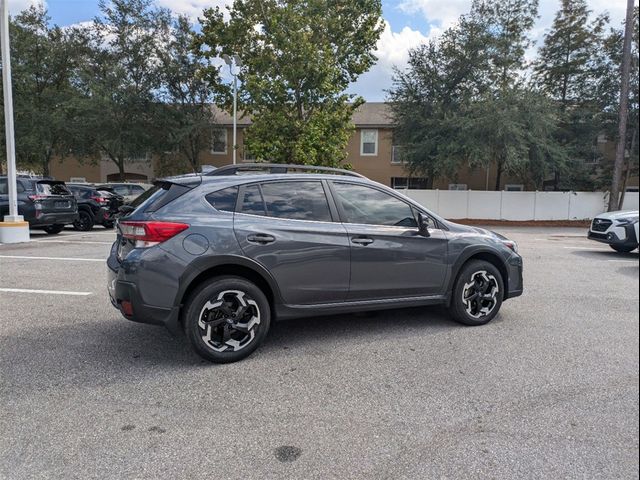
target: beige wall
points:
(376, 167)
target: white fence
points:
(517, 205)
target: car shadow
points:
(112, 350)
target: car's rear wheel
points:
(477, 294)
(226, 319)
(53, 229)
(108, 224)
(84, 223)
(623, 248)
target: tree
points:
(119, 79)
(187, 96)
(298, 57)
(463, 99)
(623, 52)
(567, 70)
(43, 88)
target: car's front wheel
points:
(226, 319)
(477, 294)
(623, 248)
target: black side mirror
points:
(423, 225)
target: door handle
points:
(362, 240)
(261, 238)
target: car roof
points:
(268, 177)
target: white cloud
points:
(392, 50)
(192, 8)
(16, 6)
(442, 13)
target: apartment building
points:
(370, 150)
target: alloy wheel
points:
(479, 296)
(229, 323)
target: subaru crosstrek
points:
(222, 255)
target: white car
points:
(617, 229)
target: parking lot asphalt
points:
(549, 389)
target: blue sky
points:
(408, 24)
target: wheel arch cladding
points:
(488, 256)
(229, 269)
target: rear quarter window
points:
(224, 200)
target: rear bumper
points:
(124, 291)
(58, 218)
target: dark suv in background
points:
(45, 204)
(96, 206)
(223, 254)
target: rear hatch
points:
(138, 228)
(54, 197)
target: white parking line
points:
(70, 259)
(50, 239)
(48, 292)
(76, 241)
(625, 261)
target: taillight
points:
(99, 199)
(37, 198)
(148, 234)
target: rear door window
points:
(296, 200)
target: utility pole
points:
(13, 229)
(624, 108)
(234, 66)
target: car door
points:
(289, 228)
(389, 258)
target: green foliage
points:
(187, 115)
(298, 58)
(119, 79)
(43, 75)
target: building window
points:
(368, 142)
(457, 186)
(219, 141)
(397, 155)
(416, 183)
(514, 188)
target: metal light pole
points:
(234, 65)
(13, 228)
(8, 116)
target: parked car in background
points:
(221, 255)
(45, 204)
(95, 207)
(129, 191)
(617, 229)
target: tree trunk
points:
(624, 107)
(121, 170)
(498, 175)
(625, 181)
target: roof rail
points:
(276, 168)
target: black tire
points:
(207, 328)
(477, 278)
(54, 229)
(84, 223)
(623, 248)
(108, 224)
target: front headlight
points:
(627, 221)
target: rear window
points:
(165, 196)
(145, 196)
(252, 202)
(52, 189)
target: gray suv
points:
(221, 255)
